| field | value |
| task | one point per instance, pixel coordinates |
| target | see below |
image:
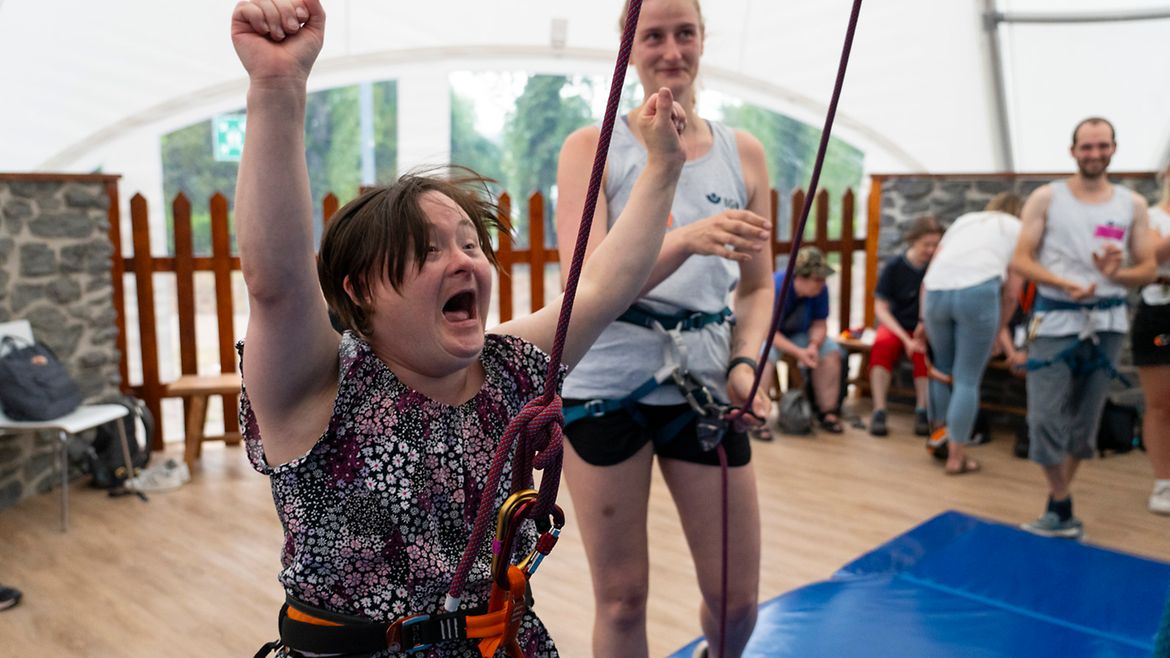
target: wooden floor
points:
(193, 572)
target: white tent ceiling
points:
(83, 80)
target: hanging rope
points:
(782, 298)
(798, 235)
(537, 431)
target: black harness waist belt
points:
(305, 628)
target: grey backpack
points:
(796, 414)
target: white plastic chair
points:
(85, 417)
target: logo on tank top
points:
(727, 203)
(1110, 230)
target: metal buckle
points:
(692, 322)
(595, 408)
(411, 622)
(710, 427)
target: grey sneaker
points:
(921, 423)
(1050, 525)
(877, 424)
(1160, 499)
(9, 597)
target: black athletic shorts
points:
(615, 437)
(1151, 335)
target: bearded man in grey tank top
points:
(1084, 242)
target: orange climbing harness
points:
(304, 628)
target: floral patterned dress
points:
(377, 514)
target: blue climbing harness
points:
(698, 397)
(1090, 358)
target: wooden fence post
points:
(151, 392)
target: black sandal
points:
(833, 426)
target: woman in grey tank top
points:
(716, 255)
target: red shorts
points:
(888, 348)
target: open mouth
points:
(460, 307)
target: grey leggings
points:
(961, 326)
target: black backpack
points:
(1120, 430)
(104, 458)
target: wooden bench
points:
(863, 347)
(195, 389)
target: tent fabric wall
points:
(78, 80)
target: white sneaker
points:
(167, 476)
(1160, 499)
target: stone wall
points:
(904, 198)
(55, 272)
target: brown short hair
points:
(384, 230)
(924, 225)
(1095, 120)
(626, 11)
(1008, 202)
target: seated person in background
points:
(803, 334)
(897, 311)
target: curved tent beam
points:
(1082, 17)
(992, 20)
(353, 69)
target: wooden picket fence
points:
(184, 265)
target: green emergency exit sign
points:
(228, 137)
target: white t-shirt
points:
(976, 248)
(1157, 294)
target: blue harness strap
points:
(684, 321)
(643, 317)
(1079, 362)
(1100, 304)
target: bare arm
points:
(1009, 298)
(881, 310)
(745, 231)
(817, 332)
(755, 294)
(574, 167)
(615, 272)
(290, 372)
(1144, 267)
(1161, 247)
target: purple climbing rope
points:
(537, 431)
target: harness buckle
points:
(692, 321)
(396, 635)
(595, 408)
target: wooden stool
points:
(195, 389)
(862, 347)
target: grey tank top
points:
(1073, 232)
(626, 355)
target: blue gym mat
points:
(961, 586)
